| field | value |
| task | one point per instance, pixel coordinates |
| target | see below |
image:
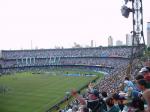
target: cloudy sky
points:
(50, 23)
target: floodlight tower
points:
(137, 32)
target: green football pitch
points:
(27, 92)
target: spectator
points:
(116, 99)
(104, 95)
(111, 106)
(142, 84)
(137, 105)
(145, 71)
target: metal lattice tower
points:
(137, 12)
(137, 32)
(138, 35)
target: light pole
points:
(137, 31)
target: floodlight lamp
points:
(125, 11)
(126, 1)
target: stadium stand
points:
(113, 60)
(79, 56)
(103, 57)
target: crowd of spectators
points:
(80, 56)
(113, 63)
(60, 61)
(124, 51)
(115, 93)
(102, 57)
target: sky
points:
(26, 24)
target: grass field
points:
(27, 92)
